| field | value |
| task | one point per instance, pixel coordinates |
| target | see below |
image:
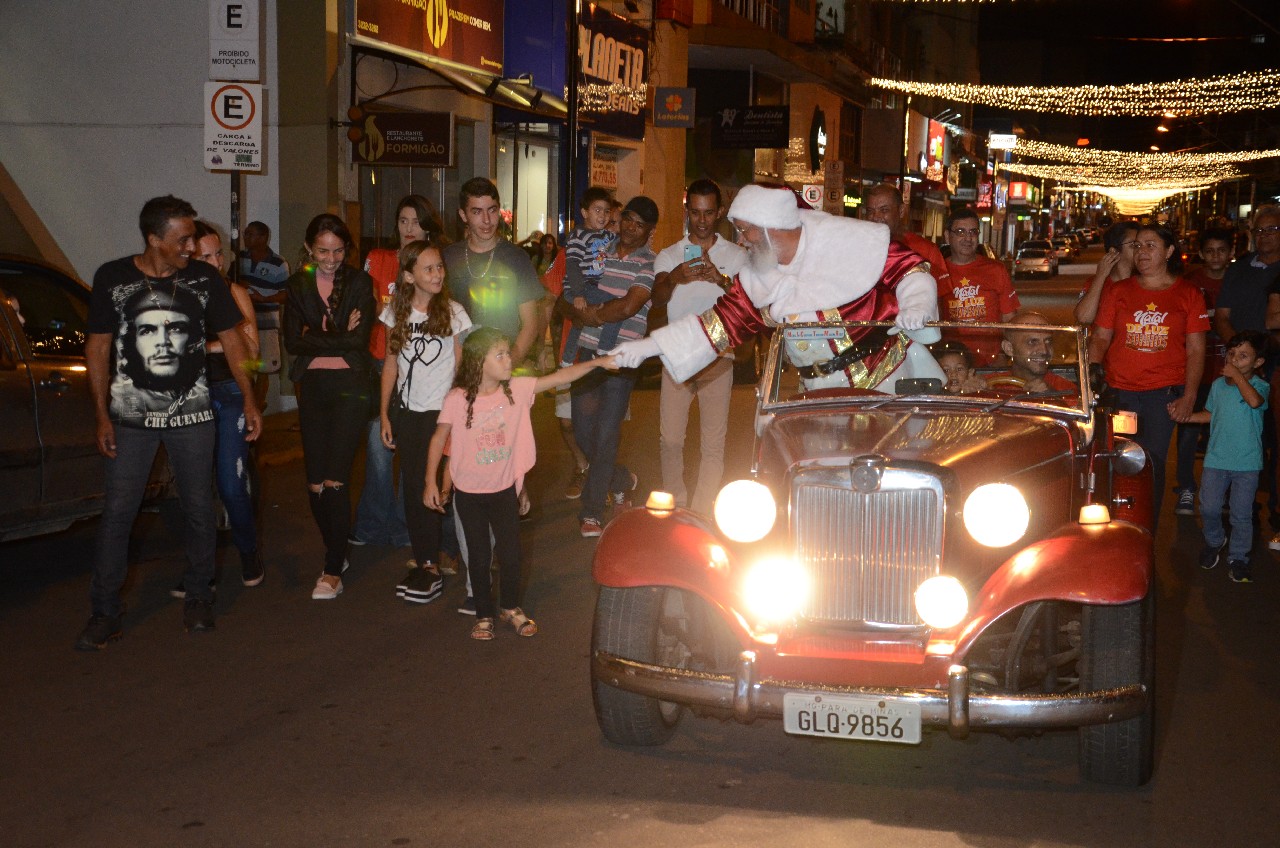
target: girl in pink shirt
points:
(487, 413)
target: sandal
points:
(523, 624)
(482, 630)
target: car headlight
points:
(942, 602)
(745, 510)
(996, 515)
(775, 589)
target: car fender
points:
(677, 549)
(1090, 564)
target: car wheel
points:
(1117, 649)
(650, 624)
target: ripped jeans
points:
(333, 407)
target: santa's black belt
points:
(870, 343)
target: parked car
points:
(1042, 244)
(51, 473)
(1032, 261)
(1066, 247)
(897, 565)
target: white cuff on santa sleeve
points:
(685, 347)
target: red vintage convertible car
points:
(899, 563)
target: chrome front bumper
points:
(955, 708)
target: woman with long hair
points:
(1149, 337)
(327, 319)
(423, 327)
(379, 513)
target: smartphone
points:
(692, 252)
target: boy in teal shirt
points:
(1233, 412)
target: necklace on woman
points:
(472, 274)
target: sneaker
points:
(197, 615)
(404, 580)
(1239, 571)
(327, 588)
(180, 591)
(590, 528)
(423, 586)
(524, 505)
(353, 539)
(1186, 503)
(622, 500)
(574, 490)
(1274, 544)
(251, 569)
(468, 607)
(100, 630)
(1210, 557)
(448, 564)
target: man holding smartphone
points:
(689, 276)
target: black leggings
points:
(478, 514)
(333, 414)
(412, 438)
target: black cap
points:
(644, 207)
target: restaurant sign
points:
(463, 32)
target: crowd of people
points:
(421, 353)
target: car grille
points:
(869, 551)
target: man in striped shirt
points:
(600, 399)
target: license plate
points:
(851, 717)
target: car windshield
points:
(1031, 253)
(988, 365)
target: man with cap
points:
(810, 266)
(600, 399)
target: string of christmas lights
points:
(1121, 158)
(1220, 95)
(1153, 176)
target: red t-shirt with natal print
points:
(1149, 331)
(978, 291)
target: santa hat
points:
(770, 208)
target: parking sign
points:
(233, 126)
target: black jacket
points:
(306, 334)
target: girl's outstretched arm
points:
(431, 496)
(573, 372)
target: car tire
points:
(1117, 649)
(647, 624)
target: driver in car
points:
(1030, 353)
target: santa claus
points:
(807, 266)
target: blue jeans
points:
(234, 465)
(190, 452)
(1188, 443)
(380, 513)
(1155, 431)
(599, 405)
(1214, 483)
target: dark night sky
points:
(1082, 42)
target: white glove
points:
(917, 295)
(631, 354)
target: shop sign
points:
(233, 40)
(933, 155)
(613, 70)
(464, 32)
(404, 138)
(673, 108)
(233, 126)
(965, 193)
(604, 168)
(984, 196)
(750, 127)
(829, 19)
(1001, 141)
(1019, 194)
